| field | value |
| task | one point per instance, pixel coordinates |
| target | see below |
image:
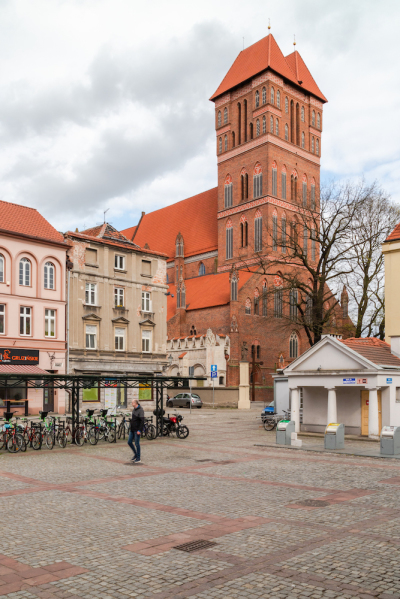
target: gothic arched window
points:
(303, 140)
(257, 181)
(264, 124)
(258, 232)
(264, 299)
(258, 127)
(257, 99)
(229, 239)
(271, 124)
(276, 127)
(226, 142)
(286, 105)
(233, 139)
(302, 114)
(293, 300)
(278, 98)
(274, 180)
(312, 145)
(287, 132)
(247, 306)
(225, 115)
(293, 345)
(228, 191)
(202, 270)
(317, 147)
(219, 118)
(264, 95)
(313, 118)
(318, 121)
(283, 234)
(274, 232)
(272, 95)
(220, 145)
(1, 269)
(234, 288)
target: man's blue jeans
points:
(134, 438)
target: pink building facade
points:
(32, 305)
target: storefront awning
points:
(23, 369)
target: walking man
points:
(137, 424)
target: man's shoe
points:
(133, 459)
(137, 461)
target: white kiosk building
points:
(353, 381)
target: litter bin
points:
(390, 440)
(334, 436)
(284, 431)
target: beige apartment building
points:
(391, 251)
(117, 312)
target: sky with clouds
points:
(104, 103)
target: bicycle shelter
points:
(74, 383)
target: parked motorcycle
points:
(172, 425)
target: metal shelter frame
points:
(76, 382)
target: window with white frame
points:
(49, 275)
(25, 321)
(49, 323)
(2, 319)
(146, 341)
(146, 301)
(91, 336)
(119, 337)
(90, 294)
(1, 269)
(25, 272)
(119, 297)
(293, 346)
(119, 262)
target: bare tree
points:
(305, 260)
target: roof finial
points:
(269, 24)
(294, 41)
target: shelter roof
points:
(195, 218)
(23, 369)
(376, 351)
(27, 221)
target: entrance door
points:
(48, 398)
(365, 409)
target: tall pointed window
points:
(257, 181)
(234, 288)
(275, 232)
(233, 139)
(251, 130)
(257, 99)
(243, 232)
(24, 272)
(229, 239)
(264, 124)
(245, 119)
(283, 234)
(202, 270)
(219, 118)
(312, 145)
(220, 145)
(264, 299)
(286, 105)
(303, 140)
(302, 114)
(239, 122)
(317, 146)
(278, 301)
(304, 193)
(294, 187)
(179, 246)
(274, 180)
(276, 126)
(247, 306)
(226, 142)
(244, 185)
(258, 232)
(225, 115)
(318, 121)
(278, 98)
(293, 346)
(305, 240)
(313, 244)
(256, 302)
(1, 269)
(272, 95)
(258, 127)
(271, 124)
(313, 118)
(293, 300)
(287, 132)
(312, 196)
(228, 191)
(283, 184)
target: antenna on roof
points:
(269, 24)
(294, 41)
(105, 212)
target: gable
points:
(330, 358)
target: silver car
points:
(183, 400)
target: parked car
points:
(183, 400)
(270, 409)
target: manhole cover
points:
(195, 546)
(313, 503)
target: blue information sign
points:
(214, 375)
(349, 381)
(389, 381)
(214, 368)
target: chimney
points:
(395, 345)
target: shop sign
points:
(19, 356)
(349, 381)
(389, 381)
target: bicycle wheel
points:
(151, 432)
(49, 440)
(3, 439)
(269, 424)
(182, 432)
(15, 443)
(62, 439)
(93, 436)
(80, 437)
(111, 435)
(36, 441)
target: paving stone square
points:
(88, 523)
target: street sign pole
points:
(214, 374)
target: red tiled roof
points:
(205, 292)
(302, 74)
(182, 355)
(27, 221)
(373, 349)
(195, 218)
(395, 234)
(260, 56)
(23, 369)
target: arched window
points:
(275, 232)
(244, 185)
(272, 95)
(219, 118)
(258, 127)
(247, 306)
(2, 275)
(24, 272)
(226, 142)
(258, 232)
(294, 187)
(239, 122)
(313, 243)
(313, 118)
(283, 234)
(278, 98)
(276, 127)
(278, 303)
(234, 288)
(317, 146)
(264, 124)
(256, 302)
(179, 246)
(257, 181)
(225, 115)
(286, 132)
(183, 296)
(274, 180)
(304, 192)
(228, 191)
(49, 275)
(243, 232)
(264, 299)
(245, 119)
(312, 145)
(271, 124)
(286, 105)
(233, 139)
(312, 195)
(303, 140)
(302, 114)
(220, 145)
(229, 239)
(293, 301)
(251, 130)
(318, 121)
(257, 99)
(264, 95)
(283, 184)
(293, 346)
(202, 270)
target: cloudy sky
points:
(104, 103)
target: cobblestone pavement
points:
(86, 522)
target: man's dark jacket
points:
(137, 422)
